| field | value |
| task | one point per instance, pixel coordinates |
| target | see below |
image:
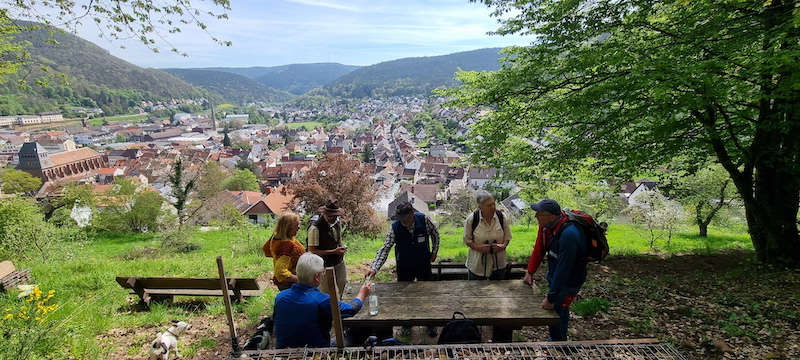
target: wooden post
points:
(330, 284)
(228, 311)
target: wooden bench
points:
(164, 289)
(457, 271)
(10, 276)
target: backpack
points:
(460, 331)
(475, 220)
(597, 243)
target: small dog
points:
(262, 337)
(167, 340)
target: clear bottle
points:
(373, 305)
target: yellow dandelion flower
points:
(8, 317)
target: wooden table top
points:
(509, 303)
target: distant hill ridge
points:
(415, 76)
(294, 78)
(232, 87)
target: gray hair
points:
(482, 195)
(309, 265)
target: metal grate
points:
(621, 350)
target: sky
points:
(353, 32)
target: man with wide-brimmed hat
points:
(325, 240)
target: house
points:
(429, 193)
(106, 175)
(478, 177)
(642, 186)
(250, 204)
(404, 196)
(514, 204)
(123, 154)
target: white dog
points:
(167, 340)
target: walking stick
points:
(228, 311)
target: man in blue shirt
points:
(565, 249)
(302, 313)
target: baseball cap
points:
(548, 205)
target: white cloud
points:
(325, 4)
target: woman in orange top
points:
(285, 250)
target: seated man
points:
(302, 313)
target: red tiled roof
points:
(279, 202)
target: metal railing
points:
(613, 349)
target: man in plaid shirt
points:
(412, 235)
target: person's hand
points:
(340, 250)
(499, 247)
(433, 257)
(369, 274)
(483, 248)
(528, 279)
(365, 290)
(547, 305)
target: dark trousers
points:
(559, 332)
(498, 274)
(419, 273)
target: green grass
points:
(133, 118)
(308, 124)
(92, 303)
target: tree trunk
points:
(772, 216)
(699, 219)
(703, 229)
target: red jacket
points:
(543, 239)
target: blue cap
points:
(548, 205)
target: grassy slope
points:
(132, 118)
(308, 124)
(92, 302)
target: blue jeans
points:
(559, 332)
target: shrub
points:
(178, 240)
(23, 231)
(25, 325)
(590, 306)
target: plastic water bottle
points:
(373, 305)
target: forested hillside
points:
(231, 87)
(412, 76)
(91, 77)
(300, 78)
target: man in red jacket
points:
(564, 245)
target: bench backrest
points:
(450, 265)
(187, 283)
(6, 267)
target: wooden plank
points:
(196, 292)
(190, 283)
(338, 329)
(509, 303)
(6, 267)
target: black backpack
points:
(460, 331)
(475, 221)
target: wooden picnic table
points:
(509, 304)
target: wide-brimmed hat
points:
(331, 208)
